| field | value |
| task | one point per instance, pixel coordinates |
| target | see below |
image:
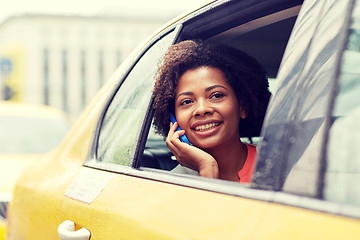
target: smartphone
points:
(183, 137)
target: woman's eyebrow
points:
(184, 93)
(206, 90)
(214, 86)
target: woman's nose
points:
(202, 108)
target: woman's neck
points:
(230, 158)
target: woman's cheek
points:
(183, 119)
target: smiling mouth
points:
(206, 127)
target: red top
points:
(245, 174)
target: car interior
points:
(264, 38)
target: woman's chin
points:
(206, 144)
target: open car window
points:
(264, 38)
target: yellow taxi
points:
(112, 177)
(27, 132)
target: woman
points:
(218, 94)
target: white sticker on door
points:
(88, 184)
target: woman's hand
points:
(190, 156)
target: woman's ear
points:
(243, 113)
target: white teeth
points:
(206, 127)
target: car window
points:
(343, 155)
(125, 115)
(277, 136)
(272, 37)
(291, 153)
(305, 155)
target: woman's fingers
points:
(173, 136)
(170, 133)
(190, 156)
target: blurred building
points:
(62, 61)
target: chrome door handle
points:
(67, 231)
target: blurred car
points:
(112, 178)
(27, 132)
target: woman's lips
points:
(206, 127)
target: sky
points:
(94, 7)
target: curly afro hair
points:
(246, 76)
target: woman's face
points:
(207, 109)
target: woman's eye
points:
(185, 102)
(217, 95)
